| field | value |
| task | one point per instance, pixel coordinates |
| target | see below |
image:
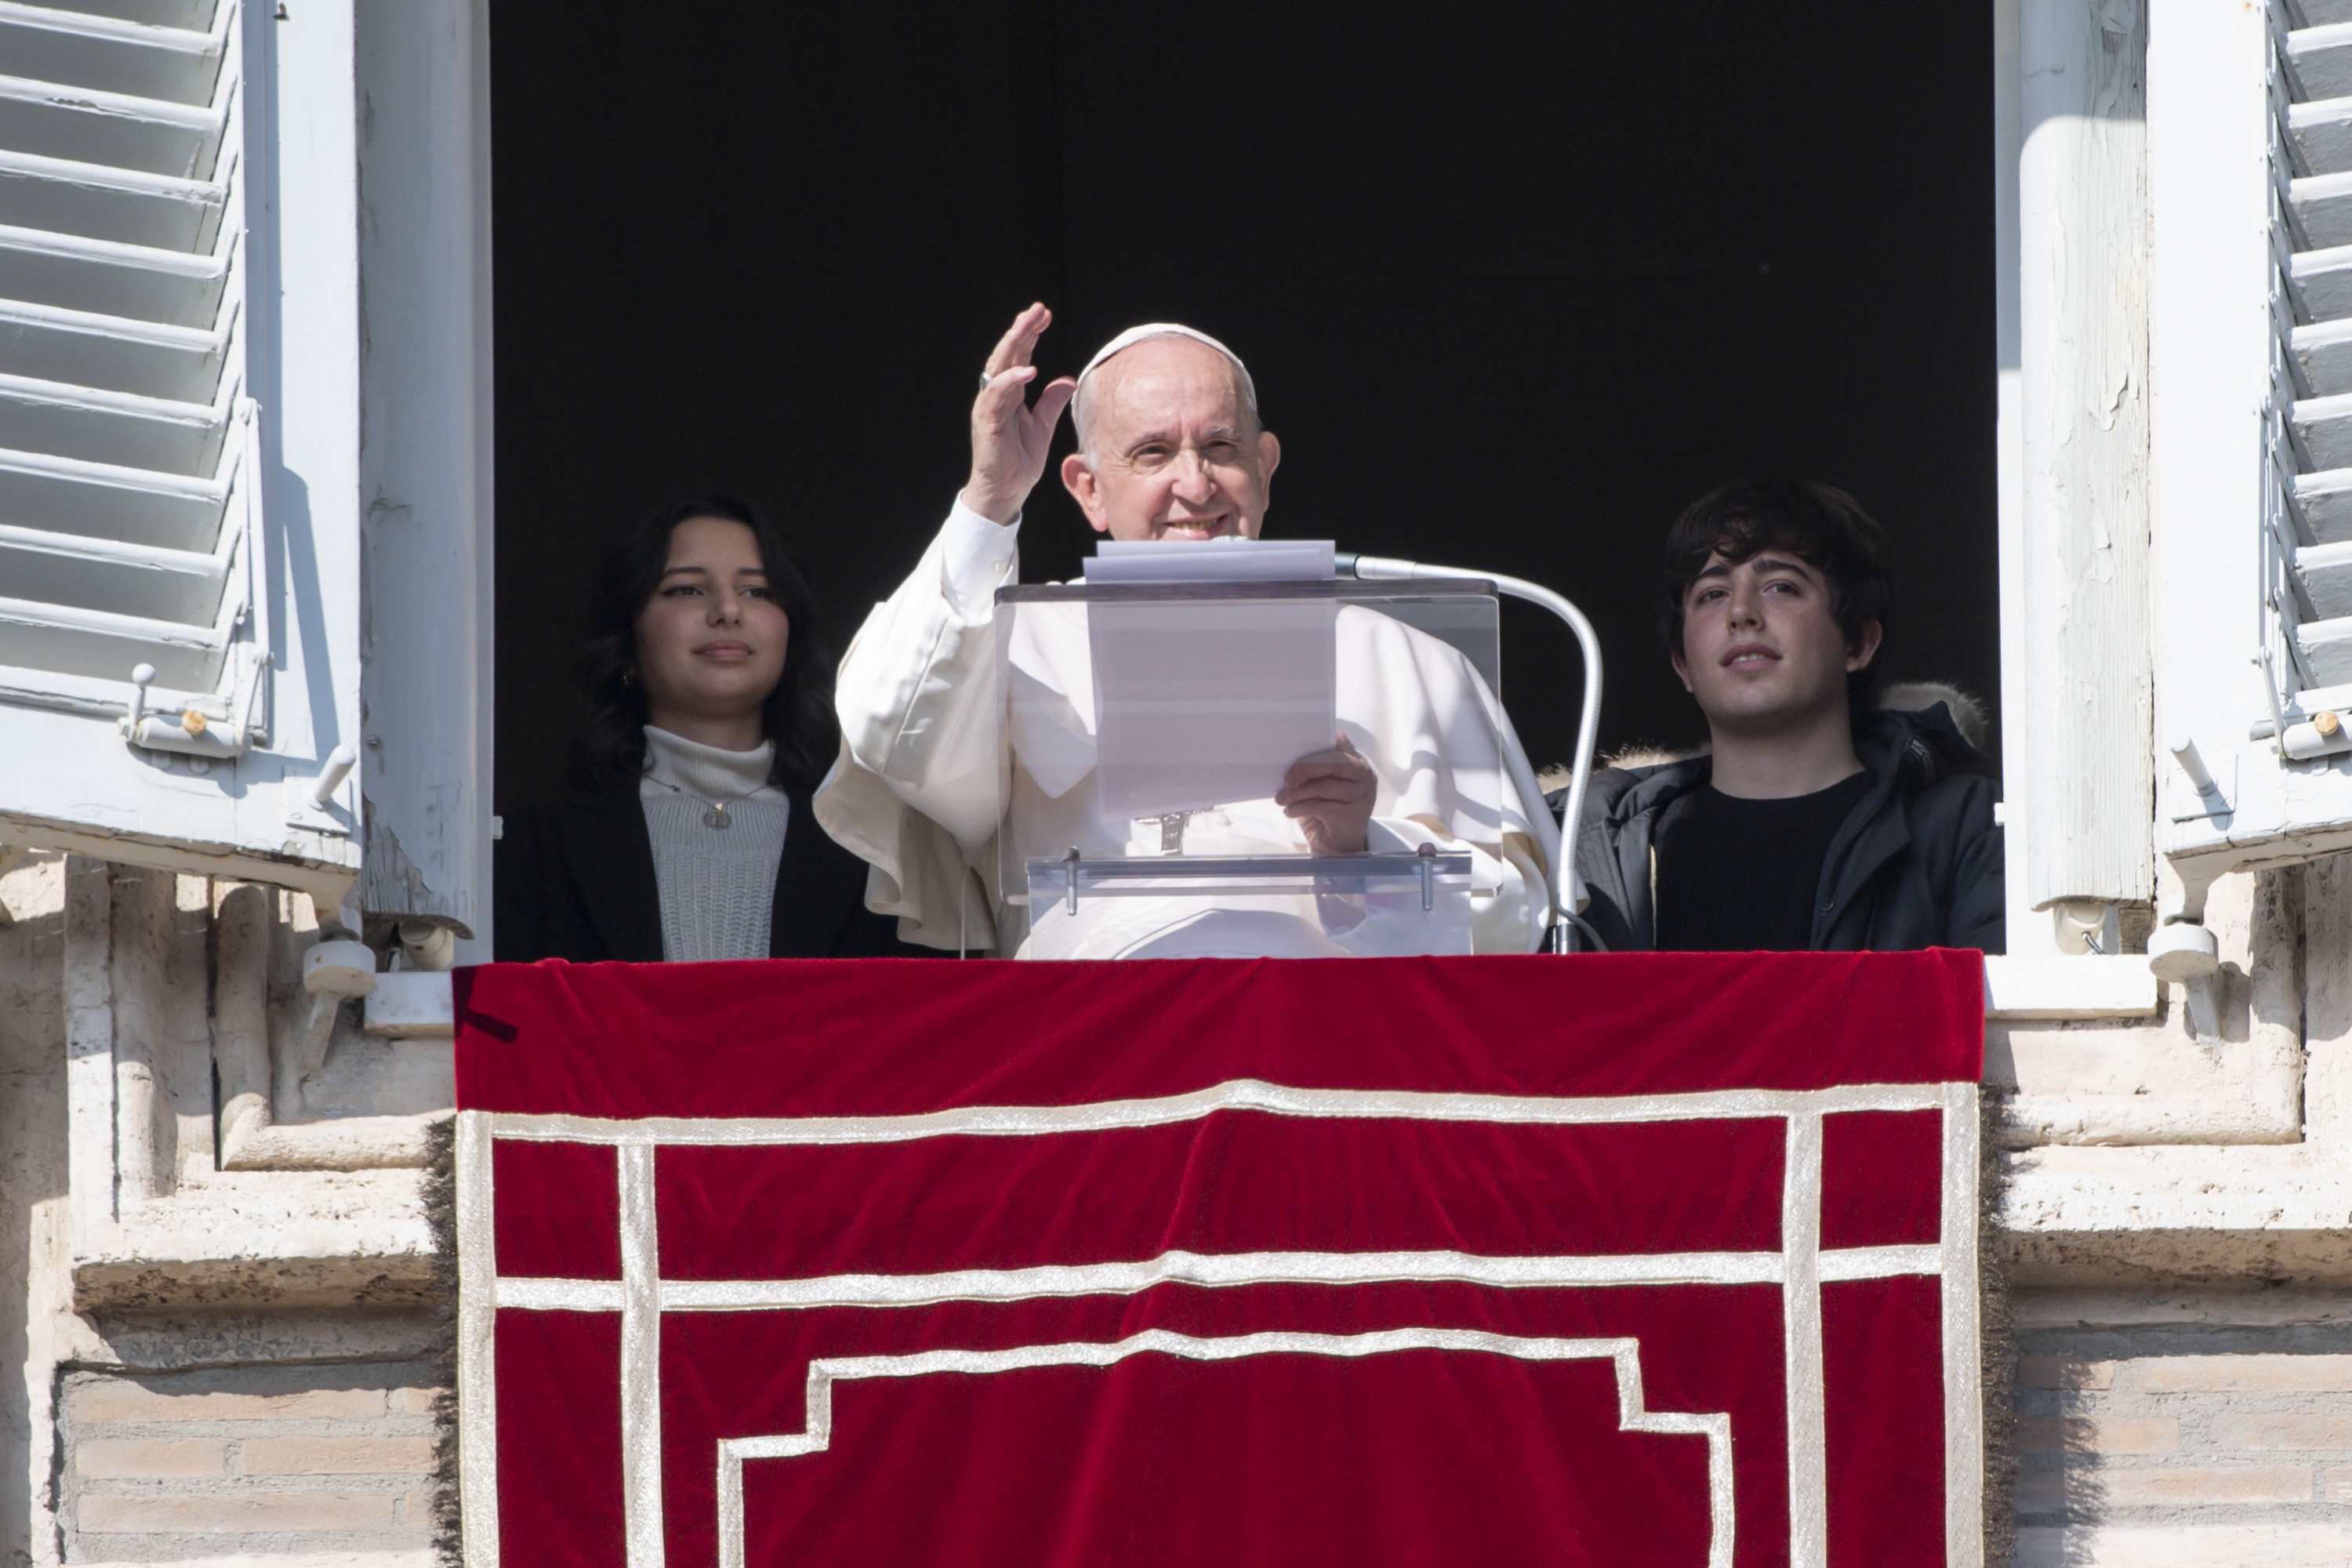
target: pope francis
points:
(1170, 447)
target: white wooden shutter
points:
(157, 506)
(2250, 122)
(2307, 489)
(421, 68)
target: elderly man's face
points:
(1176, 452)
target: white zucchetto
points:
(1134, 335)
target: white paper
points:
(1211, 561)
(1207, 702)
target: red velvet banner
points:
(1625, 1260)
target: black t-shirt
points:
(1740, 876)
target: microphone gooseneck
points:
(1568, 890)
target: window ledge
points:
(2061, 987)
(415, 1006)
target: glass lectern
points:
(1151, 725)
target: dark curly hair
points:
(609, 753)
(1821, 525)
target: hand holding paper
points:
(1330, 794)
(1201, 701)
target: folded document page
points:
(1199, 701)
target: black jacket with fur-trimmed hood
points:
(1916, 863)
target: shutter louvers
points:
(125, 536)
(2250, 356)
(2308, 500)
(176, 690)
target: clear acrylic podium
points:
(1150, 726)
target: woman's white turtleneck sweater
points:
(718, 885)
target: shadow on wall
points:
(2156, 1427)
(32, 1166)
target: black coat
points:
(1918, 862)
(576, 881)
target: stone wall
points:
(163, 1467)
(32, 1194)
(218, 1365)
(2186, 1442)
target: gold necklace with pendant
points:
(715, 811)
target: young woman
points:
(709, 719)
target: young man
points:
(1816, 819)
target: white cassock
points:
(932, 757)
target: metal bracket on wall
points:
(316, 808)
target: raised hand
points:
(1010, 437)
(1330, 794)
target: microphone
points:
(1568, 891)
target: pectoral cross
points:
(1172, 830)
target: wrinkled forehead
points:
(1173, 382)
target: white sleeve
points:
(919, 785)
(978, 557)
(917, 695)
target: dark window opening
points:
(1516, 285)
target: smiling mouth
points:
(1749, 657)
(1197, 527)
